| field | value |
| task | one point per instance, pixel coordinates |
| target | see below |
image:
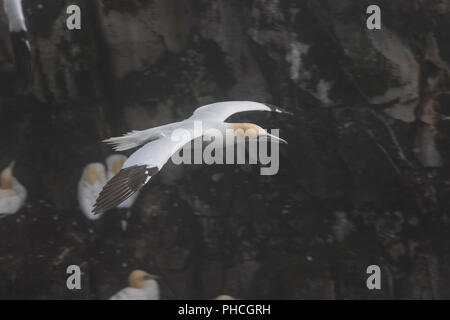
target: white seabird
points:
(224, 297)
(159, 147)
(12, 193)
(142, 286)
(114, 164)
(91, 183)
(18, 34)
(14, 12)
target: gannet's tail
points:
(127, 141)
(136, 138)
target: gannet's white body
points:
(142, 286)
(92, 180)
(159, 146)
(12, 193)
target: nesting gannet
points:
(114, 164)
(91, 183)
(12, 193)
(224, 297)
(18, 33)
(142, 286)
(160, 146)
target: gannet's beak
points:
(275, 138)
(278, 139)
(278, 109)
(11, 165)
(151, 277)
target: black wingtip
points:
(278, 109)
(122, 186)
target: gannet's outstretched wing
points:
(138, 169)
(220, 111)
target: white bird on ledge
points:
(92, 181)
(159, 147)
(21, 46)
(12, 193)
(142, 286)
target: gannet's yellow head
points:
(253, 131)
(246, 127)
(6, 177)
(94, 172)
(140, 279)
(115, 163)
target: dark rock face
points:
(364, 180)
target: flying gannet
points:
(142, 286)
(12, 193)
(160, 146)
(91, 183)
